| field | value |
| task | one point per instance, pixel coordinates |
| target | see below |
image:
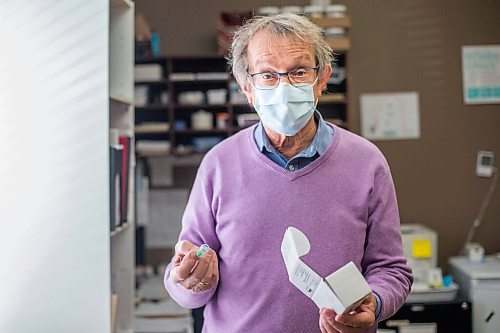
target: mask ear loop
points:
(250, 81)
(248, 77)
(313, 84)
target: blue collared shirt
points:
(320, 143)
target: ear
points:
(323, 80)
(320, 86)
(246, 88)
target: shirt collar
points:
(319, 144)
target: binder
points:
(125, 167)
(115, 170)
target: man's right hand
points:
(197, 274)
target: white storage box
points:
(216, 96)
(148, 72)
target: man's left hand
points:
(356, 321)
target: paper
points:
(295, 244)
(422, 249)
(481, 74)
(341, 290)
(389, 116)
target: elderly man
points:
(291, 169)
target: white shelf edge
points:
(121, 100)
(120, 229)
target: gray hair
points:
(286, 24)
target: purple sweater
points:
(241, 204)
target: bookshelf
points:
(61, 93)
(334, 104)
(169, 117)
(121, 119)
(181, 76)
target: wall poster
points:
(390, 116)
(481, 74)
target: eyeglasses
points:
(270, 80)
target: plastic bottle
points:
(155, 43)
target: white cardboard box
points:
(341, 291)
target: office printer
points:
(420, 249)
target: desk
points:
(449, 317)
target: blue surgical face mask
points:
(285, 109)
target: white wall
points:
(54, 238)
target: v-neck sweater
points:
(241, 204)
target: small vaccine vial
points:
(202, 250)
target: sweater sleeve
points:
(384, 265)
(198, 227)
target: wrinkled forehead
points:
(266, 46)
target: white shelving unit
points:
(61, 92)
(121, 117)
